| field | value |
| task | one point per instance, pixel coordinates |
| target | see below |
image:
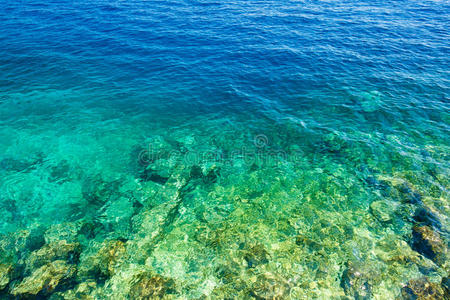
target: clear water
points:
(236, 149)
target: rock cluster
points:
(422, 289)
(212, 230)
(57, 250)
(429, 243)
(355, 282)
(45, 279)
(149, 286)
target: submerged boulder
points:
(370, 101)
(208, 177)
(5, 275)
(58, 250)
(256, 255)
(425, 216)
(445, 283)
(149, 286)
(45, 280)
(355, 283)
(429, 243)
(96, 191)
(104, 262)
(61, 172)
(332, 143)
(303, 240)
(85, 291)
(63, 231)
(20, 165)
(408, 194)
(383, 211)
(149, 174)
(269, 286)
(23, 241)
(422, 289)
(110, 255)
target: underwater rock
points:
(116, 216)
(302, 240)
(256, 255)
(375, 183)
(196, 172)
(104, 262)
(422, 289)
(10, 212)
(90, 229)
(160, 169)
(58, 250)
(355, 283)
(35, 238)
(269, 286)
(45, 280)
(429, 243)
(226, 273)
(19, 165)
(370, 101)
(156, 161)
(408, 194)
(445, 283)
(151, 226)
(152, 175)
(23, 240)
(234, 289)
(82, 291)
(394, 250)
(149, 286)
(5, 275)
(332, 143)
(60, 172)
(212, 175)
(96, 191)
(140, 157)
(424, 216)
(383, 211)
(67, 231)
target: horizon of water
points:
(251, 149)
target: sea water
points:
(224, 150)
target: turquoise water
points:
(224, 150)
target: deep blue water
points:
(354, 94)
(262, 53)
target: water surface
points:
(233, 149)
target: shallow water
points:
(234, 149)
